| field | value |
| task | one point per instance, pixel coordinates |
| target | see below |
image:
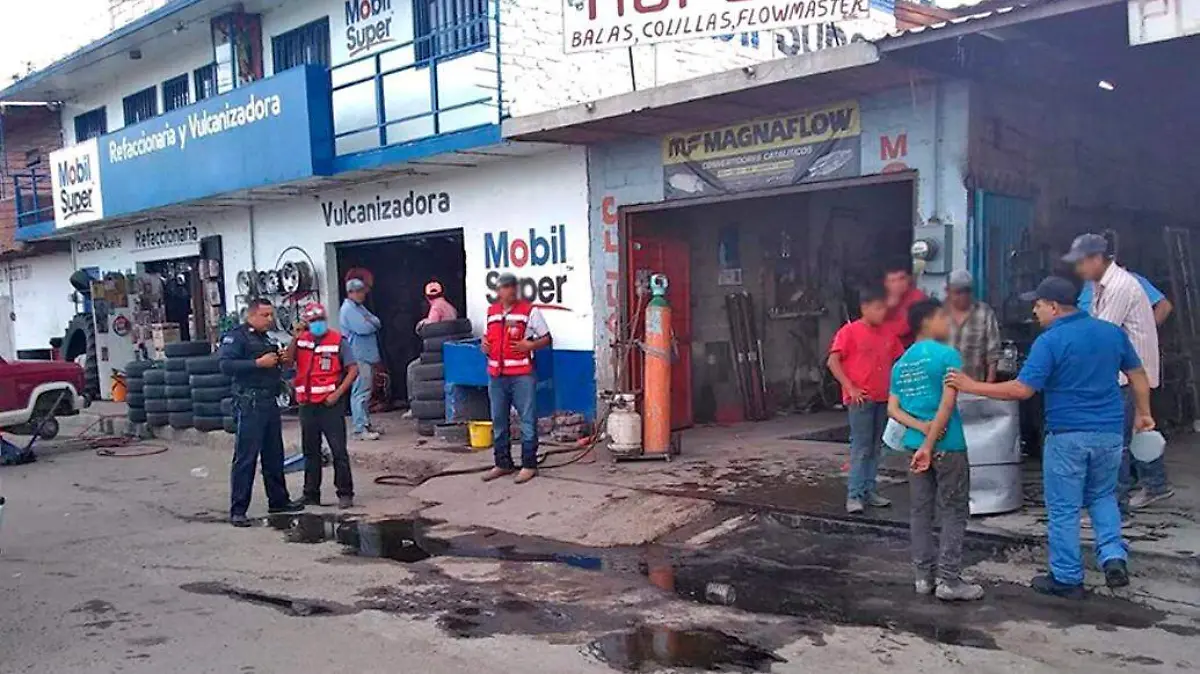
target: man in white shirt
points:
(1120, 299)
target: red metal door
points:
(650, 255)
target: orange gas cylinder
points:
(656, 400)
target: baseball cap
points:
(1053, 289)
(506, 279)
(1085, 245)
(355, 284)
(960, 279)
(313, 311)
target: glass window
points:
(448, 28)
(206, 81)
(140, 106)
(308, 44)
(175, 93)
(90, 124)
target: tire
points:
(156, 405)
(134, 384)
(208, 424)
(187, 349)
(211, 394)
(207, 409)
(154, 377)
(156, 419)
(457, 326)
(135, 401)
(435, 343)
(429, 372)
(209, 381)
(429, 409)
(428, 357)
(179, 392)
(154, 392)
(175, 365)
(203, 365)
(426, 427)
(227, 406)
(80, 340)
(178, 378)
(137, 368)
(180, 420)
(432, 389)
(230, 424)
(137, 416)
(179, 405)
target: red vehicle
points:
(34, 392)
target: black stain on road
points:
(649, 647)
(300, 608)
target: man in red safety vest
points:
(515, 329)
(325, 371)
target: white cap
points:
(960, 278)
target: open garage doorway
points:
(401, 266)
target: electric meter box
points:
(937, 238)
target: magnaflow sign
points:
(592, 25)
(274, 131)
(818, 144)
(75, 180)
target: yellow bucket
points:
(480, 433)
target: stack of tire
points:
(212, 403)
(428, 397)
(176, 402)
(135, 383)
(154, 397)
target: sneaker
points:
(289, 507)
(239, 521)
(375, 428)
(877, 501)
(314, 501)
(959, 591)
(1047, 584)
(854, 506)
(497, 473)
(923, 585)
(525, 475)
(366, 435)
(345, 502)
(1144, 498)
(1116, 573)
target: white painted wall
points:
(40, 293)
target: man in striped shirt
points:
(1120, 299)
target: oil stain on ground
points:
(287, 605)
(648, 648)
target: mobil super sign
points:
(537, 260)
(368, 25)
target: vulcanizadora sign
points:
(591, 25)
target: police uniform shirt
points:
(240, 348)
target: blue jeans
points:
(259, 438)
(1150, 475)
(504, 393)
(866, 441)
(360, 397)
(1079, 470)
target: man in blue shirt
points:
(360, 327)
(1075, 362)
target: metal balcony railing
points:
(33, 196)
(444, 81)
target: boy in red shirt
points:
(861, 358)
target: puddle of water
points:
(407, 541)
(301, 608)
(648, 648)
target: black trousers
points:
(330, 422)
(259, 435)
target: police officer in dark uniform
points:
(252, 359)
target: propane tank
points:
(624, 426)
(656, 422)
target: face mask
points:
(318, 328)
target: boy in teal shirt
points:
(920, 401)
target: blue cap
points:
(1086, 245)
(1053, 289)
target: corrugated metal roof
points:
(995, 17)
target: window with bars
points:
(308, 44)
(140, 106)
(448, 28)
(206, 81)
(175, 93)
(90, 124)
